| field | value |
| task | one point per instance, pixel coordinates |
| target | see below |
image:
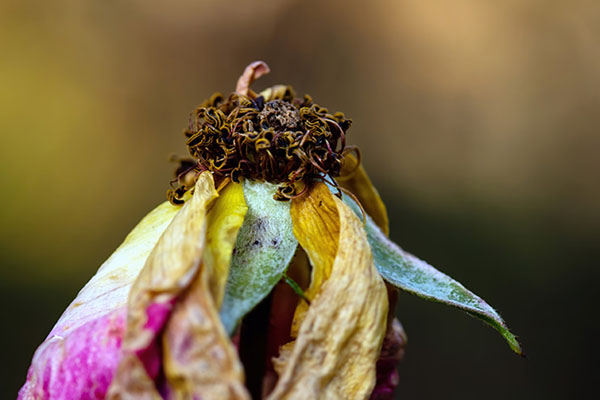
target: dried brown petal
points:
(199, 359)
(341, 333)
(173, 272)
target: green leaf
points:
(415, 276)
(264, 248)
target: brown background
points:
(477, 120)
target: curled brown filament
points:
(284, 140)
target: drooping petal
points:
(354, 178)
(415, 276)
(80, 355)
(341, 333)
(319, 241)
(264, 248)
(252, 72)
(199, 360)
(224, 222)
(169, 270)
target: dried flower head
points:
(273, 137)
(227, 292)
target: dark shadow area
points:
(538, 274)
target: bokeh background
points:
(477, 120)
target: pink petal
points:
(79, 357)
(80, 365)
(392, 352)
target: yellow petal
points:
(321, 252)
(199, 360)
(355, 179)
(340, 335)
(168, 271)
(275, 92)
(224, 221)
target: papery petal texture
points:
(79, 357)
(172, 273)
(354, 178)
(340, 335)
(199, 361)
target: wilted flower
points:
(263, 276)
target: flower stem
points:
(295, 287)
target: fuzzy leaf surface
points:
(264, 248)
(415, 276)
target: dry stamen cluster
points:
(286, 140)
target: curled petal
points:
(354, 178)
(322, 251)
(199, 360)
(169, 270)
(340, 336)
(252, 72)
(275, 92)
(79, 357)
(224, 221)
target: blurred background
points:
(478, 122)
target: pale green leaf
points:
(264, 248)
(409, 273)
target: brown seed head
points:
(273, 136)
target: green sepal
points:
(413, 275)
(264, 248)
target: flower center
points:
(279, 139)
(280, 115)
